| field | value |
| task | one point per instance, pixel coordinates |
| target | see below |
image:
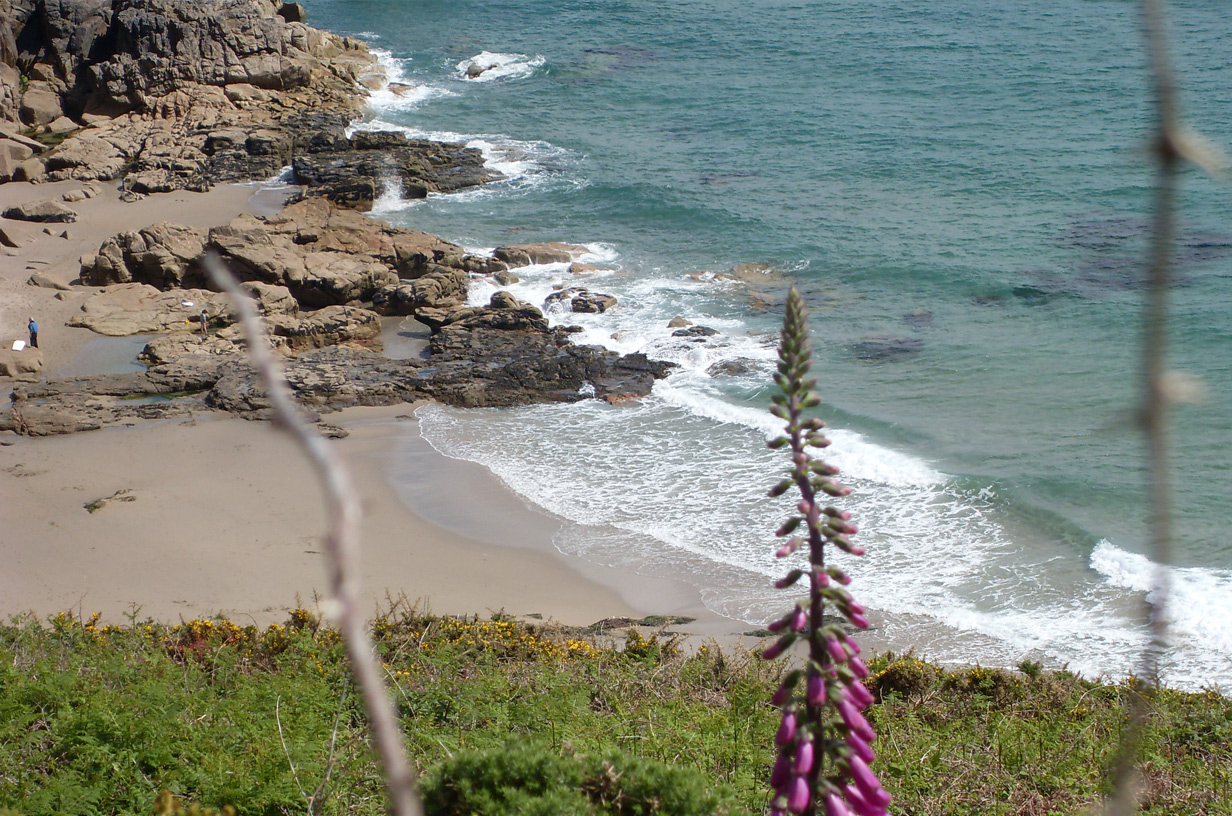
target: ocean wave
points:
(489, 66)
(399, 93)
(1199, 600)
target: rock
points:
(40, 105)
(578, 299)
(474, 70)
(31, 169)
(353, 171)
(585, 270)
(695, 331)
(12, 236)
(882, 348)
(26, 364)
(504, 313)
(505, 277)
(45, 282)
(326, 327)
(292, 12)
(545, 253)
(441, 288)
(62, 125)
(137, 308)
(164, 255)
(12, 154)
(678, 323)
(44, 211)
(73, 196)
(731, 368)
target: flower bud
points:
(836, 806)
(855, 720)
(867, 783)
(860, 696)
(781, 772)
(787, 730)
(798, 795)
(858, 620)
(860, 804)
(781, 696)
(778, 647)
(804, 759)
(798, 620)
(858, 668)
(816, 690)
(836, 650)
(860, 748)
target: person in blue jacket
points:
(33, 327)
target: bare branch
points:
(342, 549)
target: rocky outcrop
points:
(172, 95)
(325, 327)
(354, 172)
(166, 256)
(440, 288)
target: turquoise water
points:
(960, 190)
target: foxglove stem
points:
(823, 739)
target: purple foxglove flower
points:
(858, 668)
(860, 748)
(836, 650)
(787, 549)
(778, 625)
(789, 579)
(860, 804)
(859, 695)
(799, 620)
(867, 782)
(778, 647)
(781, 772)
(798, 797)
(787, 730)
(855, 720)
(804, 758)
(856, 607)
(836, 806)
(852, 646)
(781, 696)
(816, 690)
(858, 620)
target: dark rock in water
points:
(731, 368)
(1031, 295)
(579, 299)
(918, 318)
(886, 348)
(695, 331)
(352, 172)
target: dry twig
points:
(342, 550)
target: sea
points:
(961, 190)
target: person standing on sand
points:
(33, 327)
(205, 323)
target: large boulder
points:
(325, 327)
(441, 288)
(47, 211)
(26, 364)
(165, 255)
(503, 313)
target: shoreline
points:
(173, 550)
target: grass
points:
(103, 719)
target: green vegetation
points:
(503, 717)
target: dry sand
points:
(223, 516)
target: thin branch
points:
(316, 803)
(342, 549)
(282, 738)
(1126, 783)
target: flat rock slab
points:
(46, 211)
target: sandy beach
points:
(221, 516)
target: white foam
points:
(1198, 600)
(399, 93)
(499, 66)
